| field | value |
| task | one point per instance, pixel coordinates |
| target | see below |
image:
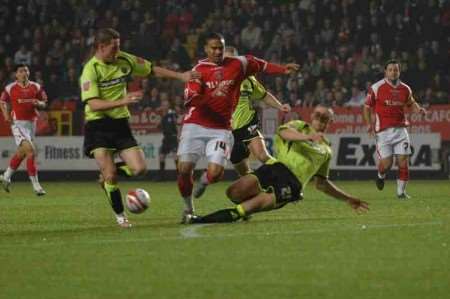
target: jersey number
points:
(220, 145)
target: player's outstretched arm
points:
(97, 104)
(273, 102)
(327, 187)
(166, 73)
(291, 134)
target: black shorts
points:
(114, 134)
(169, 145)
(242, 137)
(277, 178)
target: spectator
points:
(22, 56)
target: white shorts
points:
(393, 141)
(197, 141)
(23, 130)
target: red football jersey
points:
(21, 99)
(389, 103)
(211, 101)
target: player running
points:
(19, 103)
(388, 98)
(302, 153)
(107, 132)
(211, 101)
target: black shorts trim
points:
(278, 179)
(242, 137)
(114, 134)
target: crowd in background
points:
(341, 45)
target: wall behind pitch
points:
(351, 152)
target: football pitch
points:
(67, 245)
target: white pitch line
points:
(192, 232)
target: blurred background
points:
(341, 45)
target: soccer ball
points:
(137, 200)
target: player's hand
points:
(190, 75)
(316, 137)
(422, 111)
(291, 68)
(133, 97)
(358, 205)
(285, 108)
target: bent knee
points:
(215, 175)
(110, 177)
(141, 170)
(263, 157)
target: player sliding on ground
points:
(211, 101)
(388, 98)
(302, 153)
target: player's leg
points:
(403, 176)
(402, 150)
(239, 157)
(134, 162)
(162, 167)
(385, 156)
(23, 132)
(261, 202)
(105, 161)
(282, 187)
(30, 154)
(190, 149)
(14, 164)
(258, 148)
(185, 183)
(217, 150)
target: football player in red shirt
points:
(389, 98)
(206, 130)
(19, 103)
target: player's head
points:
(230, 51)
(392, 70)
(22, 72)
(214, 47)
(321, 118)
(107, 44)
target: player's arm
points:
(290, 133)
(326, 186)
(4, 107)
(166, 73)
(194, 93)
(367, 112)
(415, 106)
(273, 102)
(259, 92)
(253, 65)
(97, 104)
(142, 67)
(42, 99)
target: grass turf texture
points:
(67, 245)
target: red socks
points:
(15, 161)
(403, 172)
(185, 184)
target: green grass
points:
(67, 245)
